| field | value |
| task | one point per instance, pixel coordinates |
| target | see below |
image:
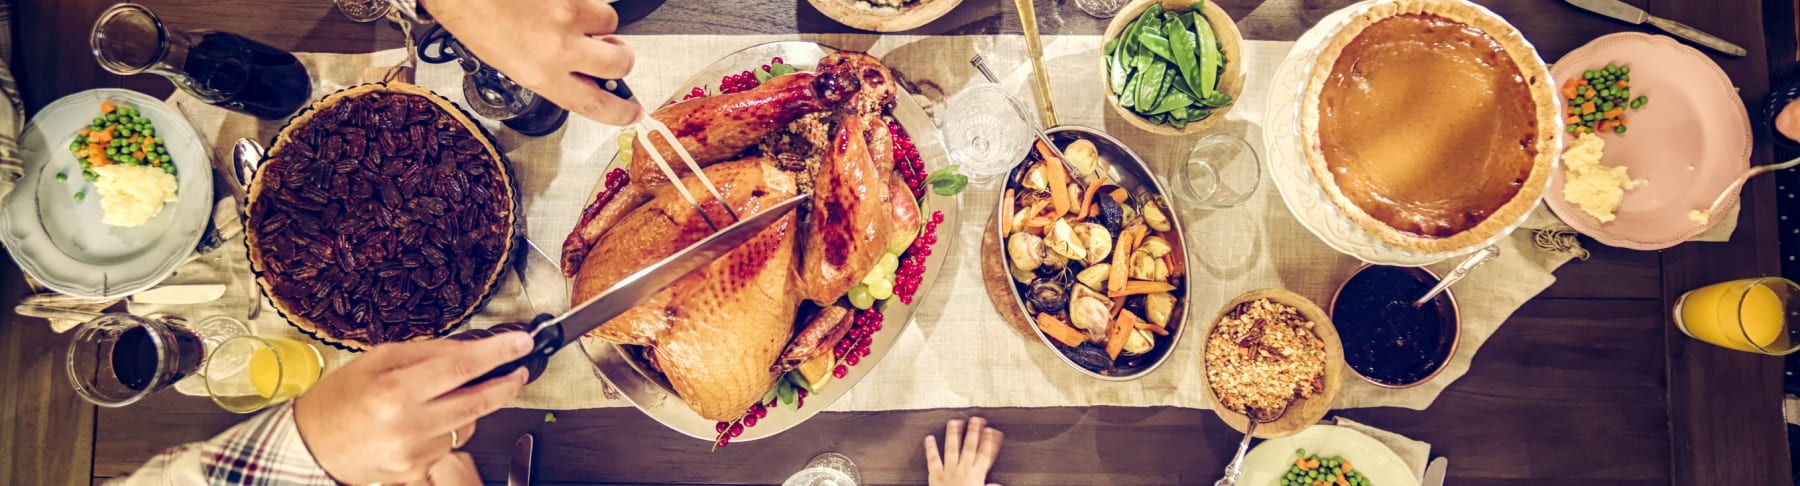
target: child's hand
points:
(966, 457)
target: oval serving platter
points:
(1126, 169)
(650, 392)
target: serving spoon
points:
(1462, 270)
(1236, 468)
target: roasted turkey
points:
(724, 335)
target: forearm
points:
(266, 449)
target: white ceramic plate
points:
(650, 392)
(1269, 461)
(1293, 177)
(62, 243)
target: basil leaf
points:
(946, 181)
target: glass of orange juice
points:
(250, 373)
(1750, 315)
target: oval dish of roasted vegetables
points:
(1095, 253)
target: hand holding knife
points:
(551, 333)
(1618, 9)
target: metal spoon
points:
(246, 155)
(1485, 255)
(1739, 184)
(1236, 468)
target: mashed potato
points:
(1596, 188)
(132, 194)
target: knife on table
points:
(1434, 473)
(518, 470)
(1618, 9)
(551, 333)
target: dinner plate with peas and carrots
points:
(1326, 454)
(75, 239)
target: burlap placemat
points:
(959, 353)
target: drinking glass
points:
(365, 10)
(1221, 171)
(221, 68)
(828, 469)
(117, 359)
(1750, 315)
(984, 131)
(250, 373)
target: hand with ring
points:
(398, 411)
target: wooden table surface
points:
(1587, 384)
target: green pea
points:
(85, 164)
(91, 176)
(1619, 129)
(1643, 100)
(75, 146)
(149, 130)
(62, 177)
(170, 168)
(112, 151)
(1606, 106)
(112, 117)
(124, 131)
(1570, 128)
(80, 196)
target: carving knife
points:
(550, 333)
(1618, 9)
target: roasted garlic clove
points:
(1090, 312)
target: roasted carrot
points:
(1058, 180)
(1119, 195)
(1006, 215)
(1121, 264)
(1177, 267)
(1120, 332)
(1062, 333)
(107, 107)
(1137, 287)
(1154, 329)
(1087, 199)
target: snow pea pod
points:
(1183, 45)
(1150, 84)
(1157, 44)
(1209, 55)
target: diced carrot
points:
(1591, 92)
(1572, 120)
(1136, 287)
(1087, 198)
(1056, 329)
(1623, 84)
(1006, 215)
(139, 155)
(1119, 195)
(1300, 462)
(1624, 122)
(1340, 481)
(1583, 82)
(85, 131)
(107, 107)
(1154, 329)
(1587, 107)
(81, 154)
(1345, 466)
(1615, 112)
(1568, 91)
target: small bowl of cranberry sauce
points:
(1387, 340)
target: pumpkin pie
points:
(1431, 123)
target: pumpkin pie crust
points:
(1432, 124)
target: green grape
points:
(889, 263)
(859, 297)
(882, 289)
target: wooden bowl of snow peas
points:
(1172, 79)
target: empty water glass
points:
(1221, 171)
(828, 469)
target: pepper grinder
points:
(489, 93)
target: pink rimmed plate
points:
(1689, 142)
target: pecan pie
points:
(1431, 123)
(381, 214)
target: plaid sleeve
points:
(265, 450)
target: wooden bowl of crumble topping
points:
(1260, 346)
